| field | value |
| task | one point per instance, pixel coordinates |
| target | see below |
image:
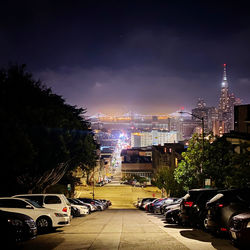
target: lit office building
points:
(153, 137)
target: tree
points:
(218, 161)
(239, 175)
(164, 180)
(189, 171)
(42, 137)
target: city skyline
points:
(151, 57)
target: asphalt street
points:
(124, 229)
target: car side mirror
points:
(29, 207)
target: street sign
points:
(207, 183)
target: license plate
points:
(234, 236)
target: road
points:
(124, 229)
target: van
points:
(53, 201)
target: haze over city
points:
(114, 57)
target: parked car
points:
(150, 205)
(98, 205)
(75, 212)
(223, 206)
(143, 202)
(100, 184)
(103, 204)
(172, 215)
(240, 230)
(107, 202)
(91, 206)
(157, 207)
(53, 201)
(15, 227)
(45, 218)
(81, 207)
(165, 207)
(193, 206)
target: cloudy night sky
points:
(145, 56)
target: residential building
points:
(242, 119)
(167, 156)
(137, 162)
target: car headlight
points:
(60, 215)
(15, 222)
(248, 224)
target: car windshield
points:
(33, 203)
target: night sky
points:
(144, 56)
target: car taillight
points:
(220, 205)
(188, 203)
(152, 204)
(92, 203)
(65, 209)
(223, 229)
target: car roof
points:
(37, 194)
(203, 189)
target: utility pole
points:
(93, 183)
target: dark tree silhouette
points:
(42, 137)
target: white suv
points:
(45, 218)
(53, 201)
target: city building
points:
(137, 162)
(242, 119)
(153, 137)
(167, 156)
(129, 120)
(209, 114)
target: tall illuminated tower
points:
(226, 105)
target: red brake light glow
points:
(65, 209)
(188, 203)
(220, 205)
(223, 229)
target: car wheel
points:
(44, 224)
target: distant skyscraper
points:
(201, 103)
(226, 106)
(209, 115)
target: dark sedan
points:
(15, 227)
(240, 230)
